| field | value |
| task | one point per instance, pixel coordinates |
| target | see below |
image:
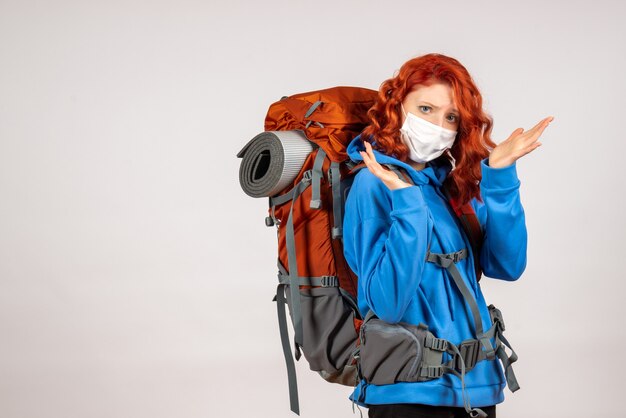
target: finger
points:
(539, 124)
(367, 153)
(516, 132)
(370, 153)
(528, 149)
(533, 147)
(542, 124)
(372, 165)
(537, 133)
(532, 135)
(366, 158)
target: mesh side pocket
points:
(329, 336)
(391, 353)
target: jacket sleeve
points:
(386, 234)
(501, 215)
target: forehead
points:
(437, 94)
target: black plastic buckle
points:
(444, 260)
(433, 372)
(456, 256)
(439, 344)
(469, 351)
(330, 281)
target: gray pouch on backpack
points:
(391, 353)
(329, 335)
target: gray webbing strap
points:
(511, 380)
(498, 324)
(293, 263)
(321, 281)
(316, 122)
(470, 352)
(284, 338)
(271, 219)
(279, 200)
(310, 111)
(312, 108)
(335, 179)
(316, 202)
(473, 412)
(281, 269)
(448, 261)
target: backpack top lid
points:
(330, 117)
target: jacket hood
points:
(435, 171)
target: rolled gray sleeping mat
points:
(271, 161)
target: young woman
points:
(429, 121)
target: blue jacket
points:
(386, 235)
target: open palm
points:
(518, 144)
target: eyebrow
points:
(437, 107)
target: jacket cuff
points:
(407, 198)
(498, 178)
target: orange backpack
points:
(308, 214)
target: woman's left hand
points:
(518, 144)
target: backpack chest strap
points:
(448, 261)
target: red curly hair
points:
(473, 142)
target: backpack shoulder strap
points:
(469, 221)
(465, 214)
(354, 168)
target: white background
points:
(136, 277)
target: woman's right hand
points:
(391, 179)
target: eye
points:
(421, 107)
(455, 118)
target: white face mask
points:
(426, 141)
